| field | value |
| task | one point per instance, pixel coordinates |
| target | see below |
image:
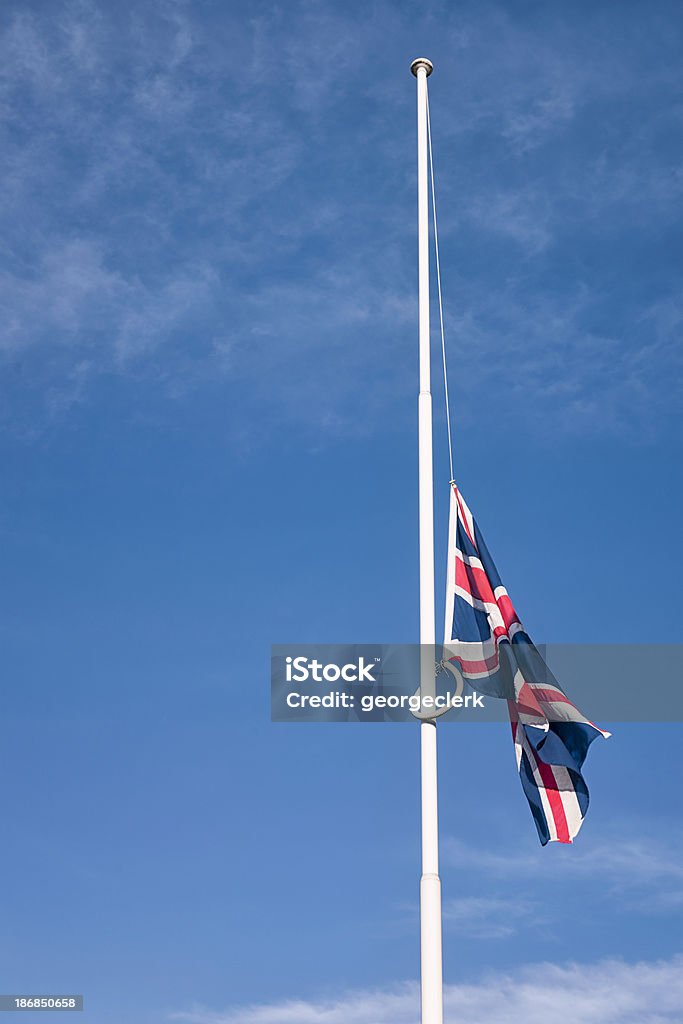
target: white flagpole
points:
(430, 885)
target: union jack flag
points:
(486, 644)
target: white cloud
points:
(489, 917)
(74, 294)
(645, 873)
(609, 992)
(522, 215)
(148, 183)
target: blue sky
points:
(208, 444)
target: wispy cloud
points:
(490, 917)
(485, 916)
(609, 992)
(646, 873)
(253, 219)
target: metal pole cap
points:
(421, 62)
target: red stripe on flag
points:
(463, 517)
(526, 701)
(506, 610)
(554, 799)
(549, 696)
(480, 585)
(487, 665)
(462, 580)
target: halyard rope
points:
(438, 284)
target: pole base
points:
(431, 995)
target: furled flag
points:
(485, 642)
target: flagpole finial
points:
(421, 62)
